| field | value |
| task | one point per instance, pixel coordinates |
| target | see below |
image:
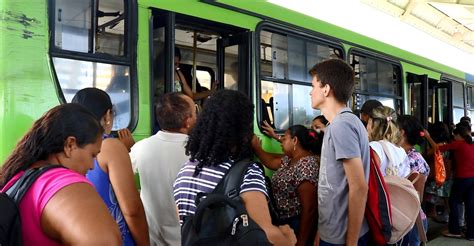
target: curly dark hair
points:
(48, 135)
(223, 130)
(309, 139)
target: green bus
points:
(50, 49)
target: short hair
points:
(172, 110)
(464, 130)
(412, 128)
(384, 125)
(369, 105)
(95, 100)
(338, 74)
(465, 118)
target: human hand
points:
(268, 129)
(125, 136)
(426, 133)
(288, 233)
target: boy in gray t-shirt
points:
(344, 169)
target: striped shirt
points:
(186, 187)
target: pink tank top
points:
(36, 198)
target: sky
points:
(359, 17)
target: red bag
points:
(378, 210)
(440, 170)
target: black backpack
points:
(10, 223)
(221, 217)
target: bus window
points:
(458, 101)
(85, 58)
(74, 75)
(285, 60)
(110, 28)
(376, 79)
(72, 25)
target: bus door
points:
(440, 110)
(234, 61)
(456, 100)
(418, 96)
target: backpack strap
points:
(21, 186)
(231, 182)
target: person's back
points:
(158, 160)
(385, 139)
(112, 175)
(221, 138)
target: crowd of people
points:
(316, 194)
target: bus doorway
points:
(212, 56)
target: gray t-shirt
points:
(344, 138)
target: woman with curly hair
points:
(295, 181)
(221, 137)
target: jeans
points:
(462, 190)
(362, 241)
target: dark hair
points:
(464, 131)
(412, 128)
(465, 118)
(322, 119)
(439, 132)
(171, 111)
(48, 135)
(223, 130)
(95, 100)
(338, 74)
(369, 105)
(177, 52)
(308, 138)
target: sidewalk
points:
(435, 237)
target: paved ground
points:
(435, 237)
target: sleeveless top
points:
(35, 199)
(102, 184)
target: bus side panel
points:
(27, 89)
(143, 128)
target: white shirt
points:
(158, 160)
(400, 166)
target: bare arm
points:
(357, 198)
(272, 161)
(256, 204)
(76, 215)
(189, 92)
(115, 156)
(307, 194)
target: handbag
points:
(440, 170)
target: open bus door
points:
(418, 96)
(234, 61)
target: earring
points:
(294, 147)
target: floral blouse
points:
(417, 162)
(285, 182)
